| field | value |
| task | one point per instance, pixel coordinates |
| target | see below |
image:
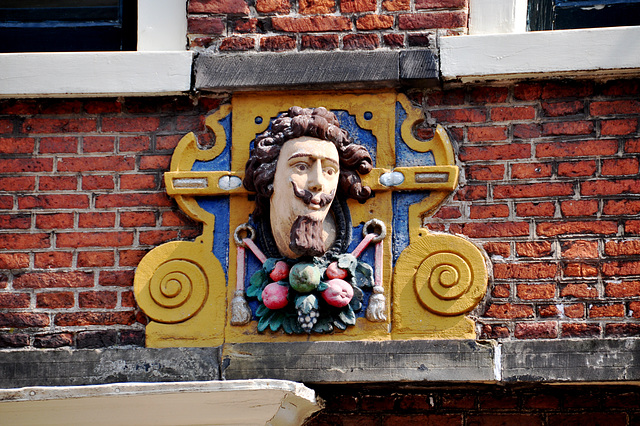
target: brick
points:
(15, 221)
(138, 219)
(574, 311)
(534, 249)
(6, 202)
(59, 106)
(376, 403)
(535, 209)
(98, 144)
(620, 88)
(218, 6)
(421, 40)
(504, 419)
(206, 25)
(491, 332)
(486, 212)
(460, 115)
(13, 340)
(548, 311)
(622, 248)
(579, 249)
(132, 200)
(501, 291)
(97, 299)
(509, 311)
(17, 145)
(634, 309)
(357, 6)
(527, 91)
(580, 270)
(139, 143)
(311, 24)
(576, 149)
(165, 142)
(574, 208)
(612, 187)
(622, 330)
(273, 6)
(23, 320)
(128, 300)
(423, 419)
(14, 300)
(536, 291)
(492, 229)
(533, 190)
(87, 259)
(96, 339)
(116, 278)
(130, 124)
(374, 22)
(25, 165)
(96, 220)
(619, 167)
(95, 239)
(53, 259)
(246, 26)
(630, 106)
(552, 229)
(14, 260)
(56, 300)
(581, 330)
(54, 221)
(58, 183)
(498, 249)
(471, 192)
(97, 182)
(53, 280)
(484, 134)
(606, 311)
(132, 337)
(237, 44)
(103, 106)
(536, 330)
(94, 318)
(441, 4)
(277, 43)
(580, 291)
(485, 172)
(561, 109)
(513, 113)
(623, 289)
(316, 7)
(58, 340)
(524, 271)
(491, 95)
(360, 41)
(576, 168)
(59, 125)
(448, 213)
(495, 152)
(157, 237)
(395, 5)
(624, 400)
(55, 145)
(526, 131)
(567, 128)
(632, 145)
(449, 97)
(542, 402)
(24, 241)
(320, 42)
(6, 126)
(621, 268)
(619, 127)
(84, 164)
(428, 20)
(567, 88)
(632, 227)
(19, 183)
(531, 170)
(19, 107)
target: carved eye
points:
(301, 167)
(330, 171)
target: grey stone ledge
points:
(315, 70)
(410, 361)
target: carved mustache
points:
(306, 196)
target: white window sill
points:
(94, 73)
(597, 51)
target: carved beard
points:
(306, 237)
(306, 196)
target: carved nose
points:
(315, 183)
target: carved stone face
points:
(304, 186)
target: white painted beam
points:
(613, 51)
(162, 25)
(94, 73)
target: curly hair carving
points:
(313, 122)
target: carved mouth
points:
(314, 202)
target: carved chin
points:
(306, 237)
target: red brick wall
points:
(288, 25)
(479, 406)
(549, 188)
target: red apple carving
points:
(339, 293)
(334, 271)
(274, 296)
(280, 271)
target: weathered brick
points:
(95, 259)
(59, 125)
(611, 269)
(23, 319)
(13, 340)
(448, 213)
(614, 107)
(567, 88)
(23, 241)
(531, 170)
(218, 6)
(581, 330)
(395, 5)
(533, 190)
(501, 291)
(580, 291)
(577, 168)
(619, 167)
(374, 22)
(139, 143)
(157, 237)
(605, 311)
(497, 401)
(17, 145)
(526, 131)
(96, 339)
(441, 4)
(568, 128)
(552, 229)
(54, 221)
(485, 134)
(535, 209)
(619, 127)
(131, 257)
(273, 6)
(18, 183)
(495, 152)
(492, 229)
(55, 300)
(103, 106)
(492, 331)
(632, 145)
(536, 330)
(393, 40)
(574, 208)
(311, 24)
(548, 311)
(316, 7)
(25, 165)
(360, 41)
(634, 309)
(97, 299)
(428, 20)
(498, 249)
(116, 278)
(57, 340)
(58, 183)
(277, 43)
(96, 220)
(97, 182)
(138, 219)
(72, 279)
(486, 172)
(94, 239)
(576, 149)
(612, 187)
(524, 271)
(580, 270)
(534, 249)
(58, 144)
(53, 259)
(84, 164)
(623, 289)
(509, 311)
(632, 227)
(579, 249)
(320, 42)
(575, 310)
(94, 318)
(622, 330)
(206, 25)
(485, 212)
(355, 6)
(542, 402)
(14, 260)
(423, 419)
(536, 291)
(132, 200)
(14, 300)
(513, 113)
(15, 221)
(560, 109)
(460, 115)
(622, 248)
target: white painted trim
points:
(607, 51)
(497, 16)
(162, 25)
(94, 73)
(250, 402)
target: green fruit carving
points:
(304, 277)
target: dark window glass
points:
(569, 14)
(67, 25)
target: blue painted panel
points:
(405, 156)
(222, 161)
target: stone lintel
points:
(315, 70)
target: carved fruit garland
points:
(307, 296)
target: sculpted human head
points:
(297, 168)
